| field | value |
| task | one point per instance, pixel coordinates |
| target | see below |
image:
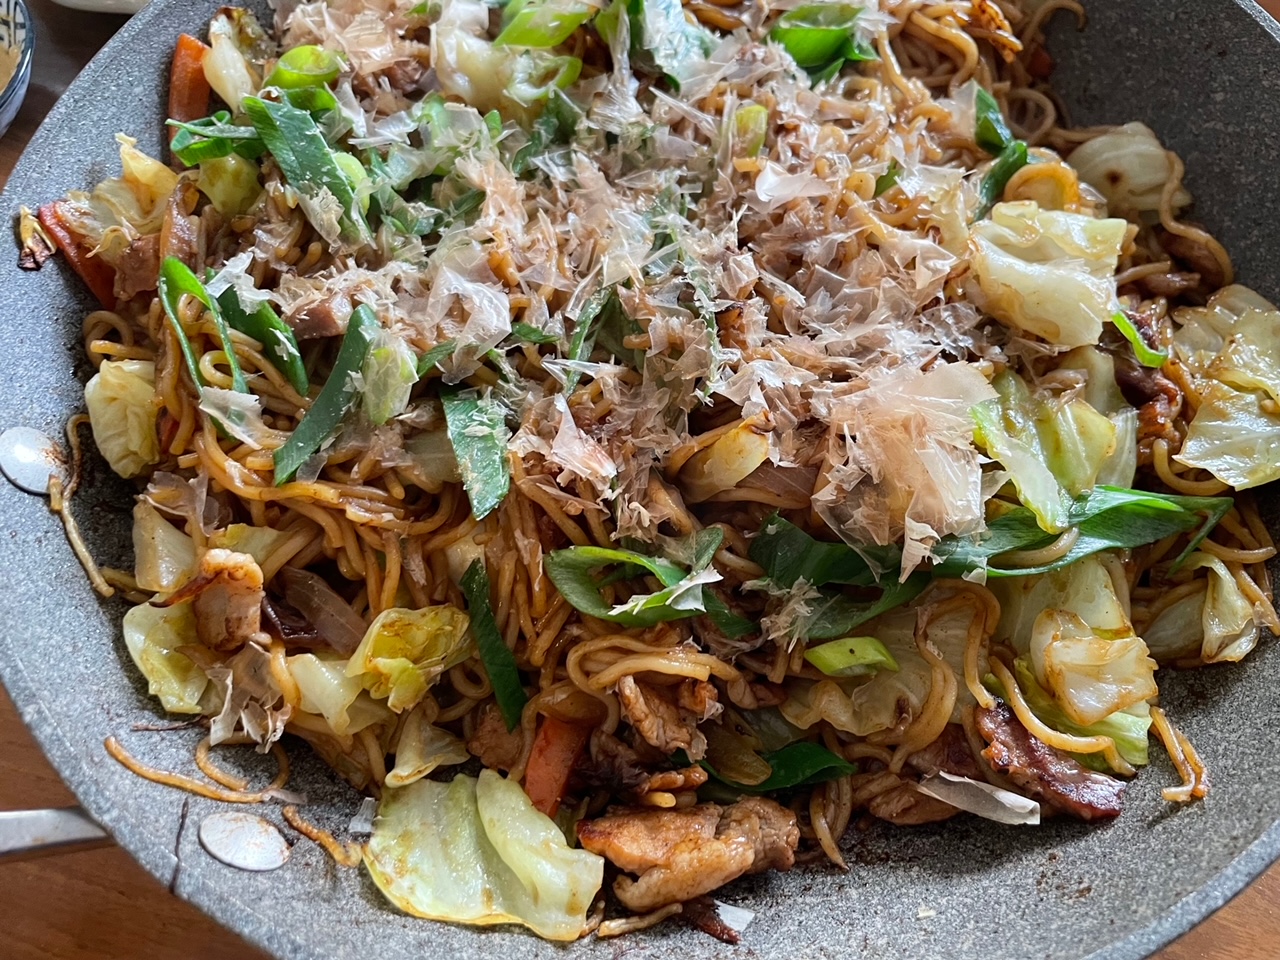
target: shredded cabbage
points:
(1227, 618)
(477, 852)
(725, 463)
(1128, 728)
(865, 705)
(1217, 624)
(1235, 437)
(390, 371)
(230, 183)
(422, 748)
(1054, 449)
(1083, 588)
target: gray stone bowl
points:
(1202, 74)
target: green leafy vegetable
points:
(542, 23)
(821, 38)
(573, 571)
(337, 397)
(851, 657)
(1012, 159)
(660, 30)
(499, 661)
(214, 137)
(531, 334)
(433, 357)
(309, 166)
(176, 279)
(991, 132)
(797, 764)
(750, 128)
(599, 307)
(477, 428)
(276, 337)
(1108, 518)
(788, 555)
(536, 75)
(726, 621)
(889, 179)
(1147, 355)
(835, 614)
(557, 124)
(305, 66)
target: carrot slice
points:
(556, 749)
(98, 275)
(188, 88)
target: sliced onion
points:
(332, 616)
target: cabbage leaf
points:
(153, 636)
(1090, 676)
(404, 651)
(1047, 272)
(121, 398)
(422, 748)
(1127, 165)
(328, 691)
(476, 851)
(1235, 437)
(164, 556)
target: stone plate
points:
(1202, 74)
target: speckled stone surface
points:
(1201, 73)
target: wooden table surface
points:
(100, 905)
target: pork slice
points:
(949, 753)
(321, 318)
(1055, 778)
(683, 854)
(905, 806)
(669, 719)
(497, 747)
(139, 267)
(226, 595)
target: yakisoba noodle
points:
(688, 260)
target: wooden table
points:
(100, 905)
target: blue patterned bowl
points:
(16, 31)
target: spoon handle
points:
(28, 834)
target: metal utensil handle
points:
(27, 834)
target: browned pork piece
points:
(905, 806)
(950, 753)
(668, 718)
(321, 318)
(1159, 402)
(1049, 775)
(497, 747)
(227, 600)
(682, 854)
